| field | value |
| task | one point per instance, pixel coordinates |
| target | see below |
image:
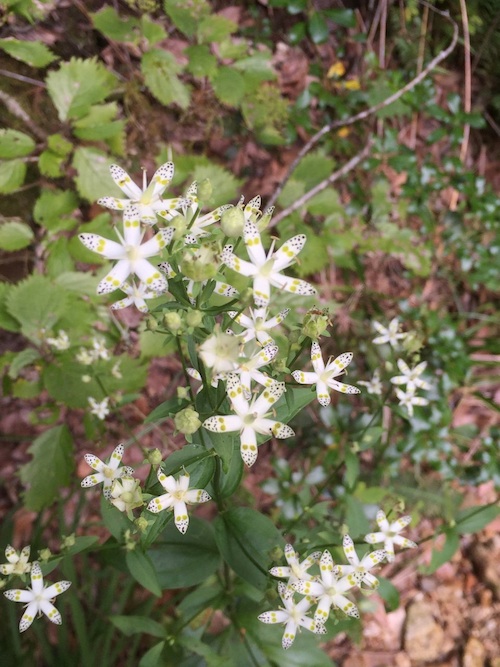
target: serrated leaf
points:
(215, 28)
(7, 321)
(116, 27)
(50, 469)
(35, 54)
(225, 186)
(185, 560)
(52, 208)
(15, 144)
(59, 145)
(93, 180)
(229, 86)
(12, 175)
(186, 17)
(141, 568)
(151, 31)
(15, 235)
(50, 164)
(201, 61)
(132, 625)
(37, 303)
(77, 282)
(77, 85)
(99, 123)
(160, 69)
(21, 360)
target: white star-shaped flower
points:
(256, 325)
(99, 408)
(250, 418)
(131, 254)
(330, 590)
(296, 570)
(411, 376)
(324, 376)
(38, 598)
(148, 199)
(390, 335)
(136, 295)
(18, 562)
(408, 399)
(106, 472)
(374, 386)
(293, 615)
(266, 269)
(61, 342)
(389, 534)
(360, 567)
(177, 497)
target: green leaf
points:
(186, 17)
(143, 571)
(59, 145)
(77, 282)
(7, 321)
(82, 543)
(37, 303)
(225, 186)
(35, 54)
(245, 538)
(472, 519)
(50, 164)
(343, 17)
(132, 625)
(151, 31)
(229, 86)
(389, 593)
(152, 657)
(215, 28)
(12, 175)
(52, 207)
(198, 462)
(201, 61)
(63, 381)
(22, 359)
(115, 521)
(59, 261)
(77, 85)
(352, 468)
(93, 180)
(185, 560)
(15, 144)
(99, 124)
(160, 70)
(15, 235)
(50, 469)
(355, 517)
(116, 27)
(318, 28)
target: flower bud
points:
(200, 264)
(151, 324)
(142, 524)
(154, 457)
(182, 393)
(205, 190)
(126, 495)
(180, 225)
(68, 541)
(315, 324)
(233, 221)
(173, 322)
(44, 555)
(186, 421)
(194, 318)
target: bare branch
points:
(372, 110)
(16, 110)
(348, 166)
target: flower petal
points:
(124, 182)
(285, 255)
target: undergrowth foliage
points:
(337, 412)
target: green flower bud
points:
(200, 264)
(276, 554)
(180, 224)
(151, 324)
(173, 322)
(280, 366)
(44, 555)
(142, 524)
(233, 221)
(68, 541)
(194, 318)
(265, 219)
(186, 421)
(154, 457)
(126, 495)
(205, 190)
(315, 324)
(182, 393)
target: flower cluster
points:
(330, 588)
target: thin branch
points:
(16, 110)
(346, 168)
(372, 110)
(467, 95)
